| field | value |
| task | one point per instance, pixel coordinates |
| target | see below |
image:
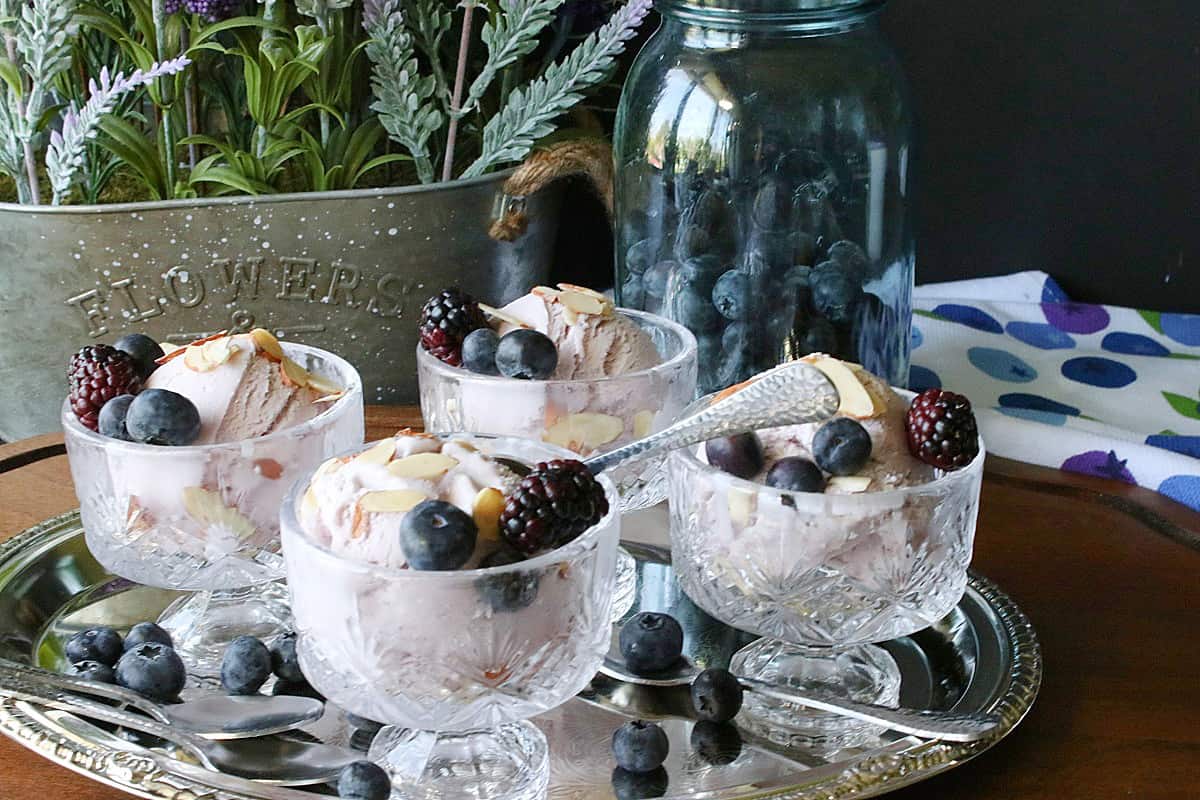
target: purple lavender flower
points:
(172, 6)
(213, 10)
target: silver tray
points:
(983, 656)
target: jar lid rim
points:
(815, 11)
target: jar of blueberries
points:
(763, 153)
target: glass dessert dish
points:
(821, 577)
(453, 661)
(204, 518)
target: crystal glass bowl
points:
(436, 652)
(820, 575)
(206, 517)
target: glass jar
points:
(763, 161)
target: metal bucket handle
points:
(589, 157)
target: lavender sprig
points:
(509, 35)
(65, 154)
(44, 38)
(530, 110)
(401, 93)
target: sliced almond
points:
(643, 423)
(855, 401)
(309, 501)
(330, 398)
(381, 453)
(207, 508)
(169, 347)
(194, 359)
(741, 505)
(218, 351)
(319, 383)
(423, 466)
(327, 468)
(545, 292)
(585, 431)
(502, 316)
(486, 512)
(293, 374)
(570, 287)
(849, 484)
(390, 500)
(266, 342)
(583, 303)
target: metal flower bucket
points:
(346, 271)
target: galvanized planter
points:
(346, 271)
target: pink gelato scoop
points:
(243, 397)
(590, 345)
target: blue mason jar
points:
(764, 175)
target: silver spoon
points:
(274, 760)
(708, 642)
(213, 716)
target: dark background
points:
(1060, 135)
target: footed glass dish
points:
(821, 577)
(456, 661)
(205, 518)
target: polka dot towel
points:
(1102, 390)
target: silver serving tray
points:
(984, 656)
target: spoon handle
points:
(791, 394)
(11, 671)
(946, 725)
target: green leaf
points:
(296, 113)
(128, 144)
(208, 171)
(1153, 319)
(12, 76)
(375, 163)
(237, 23)
(1187, 406)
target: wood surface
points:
(1108, 573)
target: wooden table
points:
(1109, 574)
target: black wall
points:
(1061, 135)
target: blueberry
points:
(436, 535)
(479, 351)
(284, 661)
(147, 632)
(245, 666)
(93, 671)
(841, 446)
(640, 746)
(296, 689)
(819, 338)
(804, 247)
(692, 309)
(692, 241)
(851, 258)
(143, 349)
(112, 417)
(740, 455)
(796, 474)
(527, 355)
(101, 644)
(640, 256)
(650, 642)
(772, 204)
(631, 294)
(152, 670)
(717, 743)
(700, 273)
(716, 695)
(160, 416)
(835, 292)
(364, 780)
(511, 590)
(796, 278)
(655, 279)
(710, 210)
(733, 295)
(628, 785)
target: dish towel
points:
(1102, 390)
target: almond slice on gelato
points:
(208, 509)
(503, 316)
(380, 454)
(266, 342)
(486, 512)
(391, 500)
(423, 466)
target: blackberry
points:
(446, 320)
(941, 429)
(97, 374)
(556, 502)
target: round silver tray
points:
(983, 656)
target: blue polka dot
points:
(1182, 328)
(1040, 335)
(1100, 372)
(970, 316)
(1001, 365)
(1034, 402)
(921, 378)
(1052, 292)
(918, 338)
(1186, 445)
(1076, 317)
(1183, 489)
(1132, 344)
(1045, 417)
